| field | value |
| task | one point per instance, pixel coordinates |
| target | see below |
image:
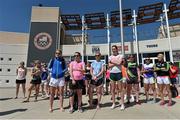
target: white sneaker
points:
(122, 107)
(125, 97)
(113, 106)
(132, 98)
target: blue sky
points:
(15, 15)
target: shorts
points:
(36, 81)
(79, 85)
(163, 80)
(59, 82)
(150, 80)
(97, 83)
(123, 79)
(44, 82)
(67, 78)
(132, 80)
(115, 76)
(173, 81)
(88, 76)
(107, 80)
(20, 81)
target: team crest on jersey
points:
(43, 41)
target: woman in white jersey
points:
(21, 78)
(115, 61)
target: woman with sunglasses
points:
(58, 68)
(133, 78)
(77, 69)
(115, 62)
(97, 70)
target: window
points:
(10, 59)
(8, 69)
(7, 81)
(2, 59)
(0, 69)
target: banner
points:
(42, 42)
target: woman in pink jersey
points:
(77, 69)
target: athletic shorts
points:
(150, 80)
(173, 81)
(123, 79)
(44, 82)
(132, 80)
(115, 76)
(36, 80)
(97, 82)
(88, 76)
(67, 78)
(163, 80)
(78, 85)
(59, 82)
(20, 81)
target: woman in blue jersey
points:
(96, 70)
(149, 80)
(57, 66)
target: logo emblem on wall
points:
(42, 41)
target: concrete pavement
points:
(15, 109)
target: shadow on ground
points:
(3, 99)
(12, 111)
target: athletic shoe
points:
(132, 98)
(80, 110)
(122, 107)
(113, 106)
(71, 111)
(125, 97)
(178, 96)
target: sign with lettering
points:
(152, 46)
(95, 49)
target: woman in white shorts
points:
(149, 80)
(58, 69)
(163, 81)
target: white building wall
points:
(157, 45)
(10, 57)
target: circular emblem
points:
(42, 41)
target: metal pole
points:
(82, 50)
(57, 34)
(121, 26)
(59, 40)
(168, 32)
(135, 35)
(108, 35)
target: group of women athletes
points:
(124, 79)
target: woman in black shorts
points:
(36, 80)
(97, 70)
(21, 79)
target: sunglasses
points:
(58, 53)
(76, 55)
